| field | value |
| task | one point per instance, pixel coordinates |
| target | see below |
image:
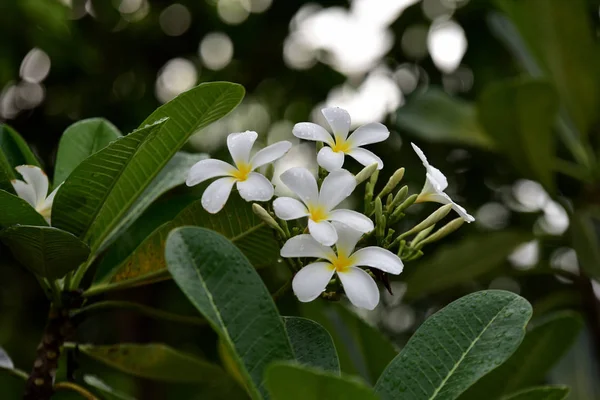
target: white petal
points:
(369, 133)
(329, 159)
(300, 181)
(435, 173)
(339, 121)
(240, 145)
(38, 180)
(353, 219)
(323, 232)
(360, 288)
(313, 132)
(336, 186)
(255, 188)
(270, 153)
(365, 157)
(379, 258)
(25, 192)
(207, 169)
(216, 194)
(50, 199)
(287, 208)
(306, 246)
(463, 213)
(420, 154)
(347, 238)
(312, 280)
(432, 192)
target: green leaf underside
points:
(457, 346)
(541, 349)
(295, 382)
(222, 284)
(541, 393)
(458, 263)
(79, 141)
(15, 211)
(236, 221)
(585, 240)
(520, 116)
(312, 344)
(436, 116)
(15, 149)
(45, 251)
(83, 195)
(362, 349)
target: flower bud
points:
(369, 188)
(365, 173)
(431, 220)
(443, 231)
(267, 218)
(401, 195)
(392, 182)
(421, 235)
(379, 220)
(399, 211)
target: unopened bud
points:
(365, 173)
(379, 219)
(388, 201)
(399, 211)
(432, 219)
(443, 231)
(392, 182)
(369, 188)
(401, 195)
(267, 218)
(422, 235)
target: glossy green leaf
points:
(541, 393)
(222, 284)
(15, 210)
(15, 149)
(312, 344)
(109, 392)
(585, 228)
(541, 349)
(236, 221)
(435, 116)
(458, 263)
(520, 116)
(362, 349)
(79, 141)
(294, 382)
(562, 40)
(46, 251)
(456, 347)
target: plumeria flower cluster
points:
(34, 189)
(332, 233)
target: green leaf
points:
(562, 40)
(15, 149)
(222, 284)
(46, 251)
(541, 349)
(541, 393)
(435, 116)
(585, 227)
(79, 141)
(15, 211)
(458, 263)
(312, 344)
(162, 363)
(457, 346)
(363, 350)
(294, 382)
(520, 116)
(6, 174)
(82, 197)
(236, 221)
(108, 391)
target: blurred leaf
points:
(15, 210)
(362, 349)
(108, 391)
(457, 346)
(541, 393)
(45, 251)
(312, 344)
(6, 174)
(585, 227)
(519, 116)
(5, 361)
(15, 149)
(236, 221)
(79, 141)
(295, 382)
(162, 363)
(458, 263)
(560, 37)
(435, 116)
(241, 311)
(541, 349)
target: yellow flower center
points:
(341, 263)
(317, 213)
(341, 145)
(242, 171)
(45, 212)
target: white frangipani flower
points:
(360, 288)
(435, 184)
(331, 157)
(251, 185)
(34, 189)
(319, 205)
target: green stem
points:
(56, 292)
(80, 273)
(75, 388)
(16, 372)
(154, 277)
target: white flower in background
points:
(251, 185)
(434, 187)
(34, 189)
(319, 205)
(360, 288)
(331, 157)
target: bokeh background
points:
(419, 66)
